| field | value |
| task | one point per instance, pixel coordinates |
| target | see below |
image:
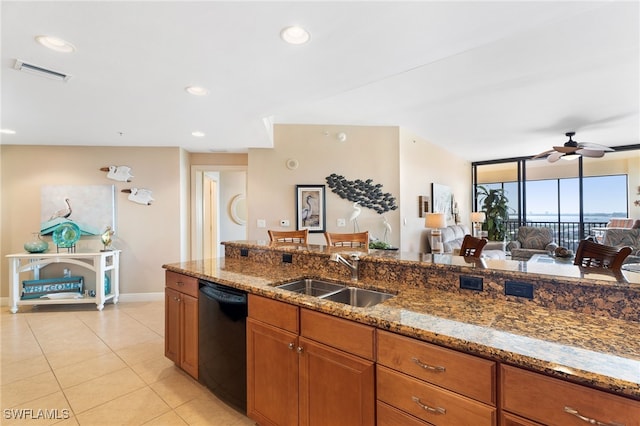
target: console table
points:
(99, 263)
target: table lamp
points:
(435, 222)
(477, 218)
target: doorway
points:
(216, 214)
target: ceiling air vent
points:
(41, 71)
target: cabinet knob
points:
(291, 346)
(299, 349)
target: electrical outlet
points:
(471, 283)
(244, 252)
(342, 222)
(287, 258)
(261, 223)
(515, 288)
(284, 222)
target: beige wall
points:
(368, 153)
(404, 164)
(148, 235)
(423, 163)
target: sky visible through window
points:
(604, 197)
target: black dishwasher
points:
(222, 346)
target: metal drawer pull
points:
(436, 410)
(589, 420)
(437, 368)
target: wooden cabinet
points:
(299, 371)
(551, 401)
(436, 385)
(181, 321)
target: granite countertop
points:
(597, 351)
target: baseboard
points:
(124, 297)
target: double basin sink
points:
(336, 292)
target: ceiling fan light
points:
(570, 157)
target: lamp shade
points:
(435, 221)
(478, 217)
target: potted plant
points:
(496, 208)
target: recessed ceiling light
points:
(197, 90)
(295, 35)
(198, 134)
(55, 43)
(7, 132)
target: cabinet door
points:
(172, 325)
(189, 335)
(272, 375)
(336, 388)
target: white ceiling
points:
(483, 79)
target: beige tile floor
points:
(74, 365)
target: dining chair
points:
(472, 246)
(593, 255)
(356, 239)
(289, 236)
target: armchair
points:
(532, 240)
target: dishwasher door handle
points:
(223, 296)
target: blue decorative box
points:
(34, 289)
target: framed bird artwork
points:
(310, 208)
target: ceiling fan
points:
(572, 150)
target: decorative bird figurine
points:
(64, 213)
(387, 229)
(106, 238)
(119, 173)
(354, 217)
(139, 195)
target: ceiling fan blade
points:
(542, 154)
(595, 146)
(554, 157)
(593, 153)
(566, 149)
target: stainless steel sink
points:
(312, 287)
(359, 297)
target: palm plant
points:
(496, 208)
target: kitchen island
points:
(578, 326)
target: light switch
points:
(261, 223)
(342, 222)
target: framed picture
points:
(442, 200)
(310, 207)
(423, 205)
(91, 207)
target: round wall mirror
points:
(239, 209)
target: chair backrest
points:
(357, 239)
(594, 255)
(289, 236)
(620, 223)
(472, 246)
(534, 237)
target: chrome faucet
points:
(353, 266)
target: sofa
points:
(532, 240)
(452, 237)
(620, 237)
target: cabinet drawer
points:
(182, 283)
(357, 339)
(430, 403)
(543, 399)
(465, 374)
(391, 416)
(278, 314)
